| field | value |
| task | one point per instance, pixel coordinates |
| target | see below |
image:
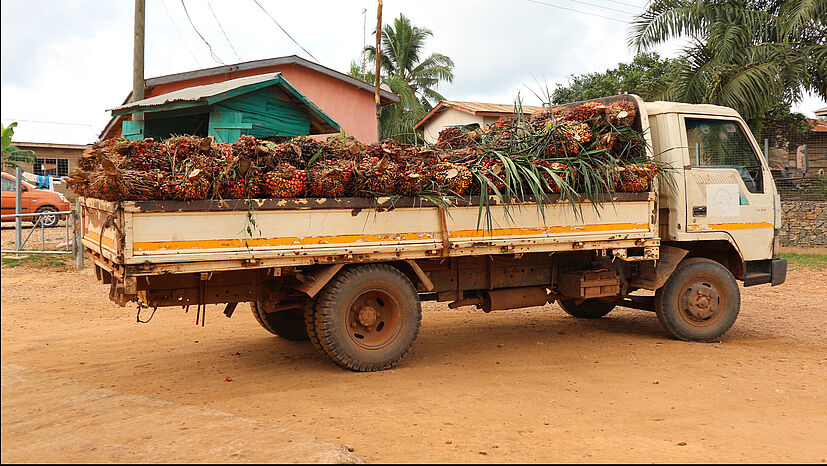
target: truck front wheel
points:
(699, 302)
(288, 324)
(588, 309)
(367, 317)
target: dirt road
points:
(530, 385)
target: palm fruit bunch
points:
(329, 178)
(388, 148)
(621, 113)
(284, 181)
(148, 154)
(563, 173)
(298, 151)
(114, 148)
(502, 131)
(588, 111)
(604, 141)
(343, 146)
(375, 176)
(235, 186)
(636, 177)
(186, 186)
(452, 137)
(181, 148)
(417, 176)
(452, 178)
(494, 171)
(629, 145)
(566, 138)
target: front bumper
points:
(778, 270)
(772, 271)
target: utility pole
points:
(364, 40)
(138, 56)
(378, 60)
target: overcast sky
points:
(64, 63)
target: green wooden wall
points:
(257, 114)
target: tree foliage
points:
(9, 153)
(647, 76)
(408, 75)
(744, 54)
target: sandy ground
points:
(82, 381)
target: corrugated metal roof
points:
(821, 112)
(481, 107)
(198, 93)
(819, 126)
(475, 108)
(212, 93)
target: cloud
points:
(69, 61)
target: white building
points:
(453, 113)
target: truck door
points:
(729, 189)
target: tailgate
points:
(101, 229)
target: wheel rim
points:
(49, 219)
(701, 302)
(374, 319)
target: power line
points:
(49, 122)
(578, 11)
(222, 29)
(181, 36)
(214, 56)
(624, 3)
(282, 29)
(601, 6)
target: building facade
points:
(347, 100)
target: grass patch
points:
(42, 261)
(810, 261)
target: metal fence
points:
(71, 237)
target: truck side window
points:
(722, 144)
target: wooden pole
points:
(138, 56)
(378, 57)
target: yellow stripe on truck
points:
(730, 226)
(344, 239)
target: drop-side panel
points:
(410, 232)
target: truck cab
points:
(722, 203)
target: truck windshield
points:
(722, 144)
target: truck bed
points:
(152, 237)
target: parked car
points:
(34, 200)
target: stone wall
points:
(804, 223)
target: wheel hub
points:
(374, 318)
(701, 301)
(367, 316)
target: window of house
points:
(723, 144)
(51, 167)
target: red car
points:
(34, 200)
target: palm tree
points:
(402, 44)
(745, 54)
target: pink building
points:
(349, 101)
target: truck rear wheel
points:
(287, 324)
(367, 317)
(699, 302)
(588, 309)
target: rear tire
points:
(367, 317)
(588, 309)
(287, 324)
(699, 302)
